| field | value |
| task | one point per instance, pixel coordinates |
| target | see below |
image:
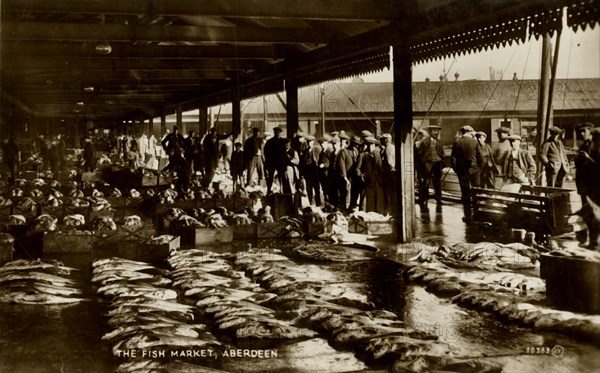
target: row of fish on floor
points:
(216, 302)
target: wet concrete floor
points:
(67, 338)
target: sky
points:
(579, 57)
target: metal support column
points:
(163, 125)
(236, 112)
(202, 121)
(403, 119)
(291, 92)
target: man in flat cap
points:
(275, 158)
(253, 156)
(431, 156)
(501, 148)
(341, 173)
(357, 186)
(369, 169)
(464, 163)
(582, 160)
(309, 169)
(486, 163)
(519, 166)
(554, 158)
(326, 159)
(388, 160)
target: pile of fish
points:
(482, 255)
(577, 253)
(312, 297)
(516, 297)
(322, 252)
(38, 282)
(232, 301)
(145, 314)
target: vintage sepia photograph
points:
(299, 186)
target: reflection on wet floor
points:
(44, 339)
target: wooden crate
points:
(6, 253)
(56, 212)
(241, 203)
(146, 252)
(134, 232)
(539, 212)
(313, 229)
(198, 236)
(244, 232)
(281, 205)
(104, 213)
(29, 213)
(228, 203)
(269, 230)
(5, 212)
(72, 210)
(571, 283)
(68, 242)
(370, 227)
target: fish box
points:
(73, 241)
(241, 203)
(147, 252)
(572, 283)
(371, 227)
(91, 177)
(30, 213)
(244, 232)
(6, 252)
(72, 210)
(133, 205)
(204, 203)
(29, 175)
(134, 232)
(269, 230)
(5, 212)
(17, 231)
(282, 205)
(314, 228)
(104, 213)
(56, 212)
(198, 236)
(228, 203)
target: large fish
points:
(120, 261)
(272, 330)
(28, 264)
(401, 348)
(163, 305)
(134, 317)
(123, 289)
(38, 276)
(186, 330)
(56, 290)
(22, 297)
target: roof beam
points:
(125, 33)
(125, 50)
(115, 64)
(284, 9)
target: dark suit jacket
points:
(464, 153)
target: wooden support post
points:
(544, 92)
(150, 130)
(236, 112)
(403, 119)
(180, 123)
(291, 92)
(202, 121)
(265, 113)
(163, 125)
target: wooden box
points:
(244, 232)
(5, 212)
(370, 227)
(198, 236)
(269, 230)
(146, 252)
(205, 203)
(6, 253)
(104, 213)
(571, 283)
(68, 242)
(313, 229)
(56, 212)
(228, 203)
(29, 213)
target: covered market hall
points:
(419, 237)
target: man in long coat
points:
(464, 163)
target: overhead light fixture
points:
(88, 89)
(103, 48)
(80, 103)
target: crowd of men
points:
(337, 170)
(477, 164)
